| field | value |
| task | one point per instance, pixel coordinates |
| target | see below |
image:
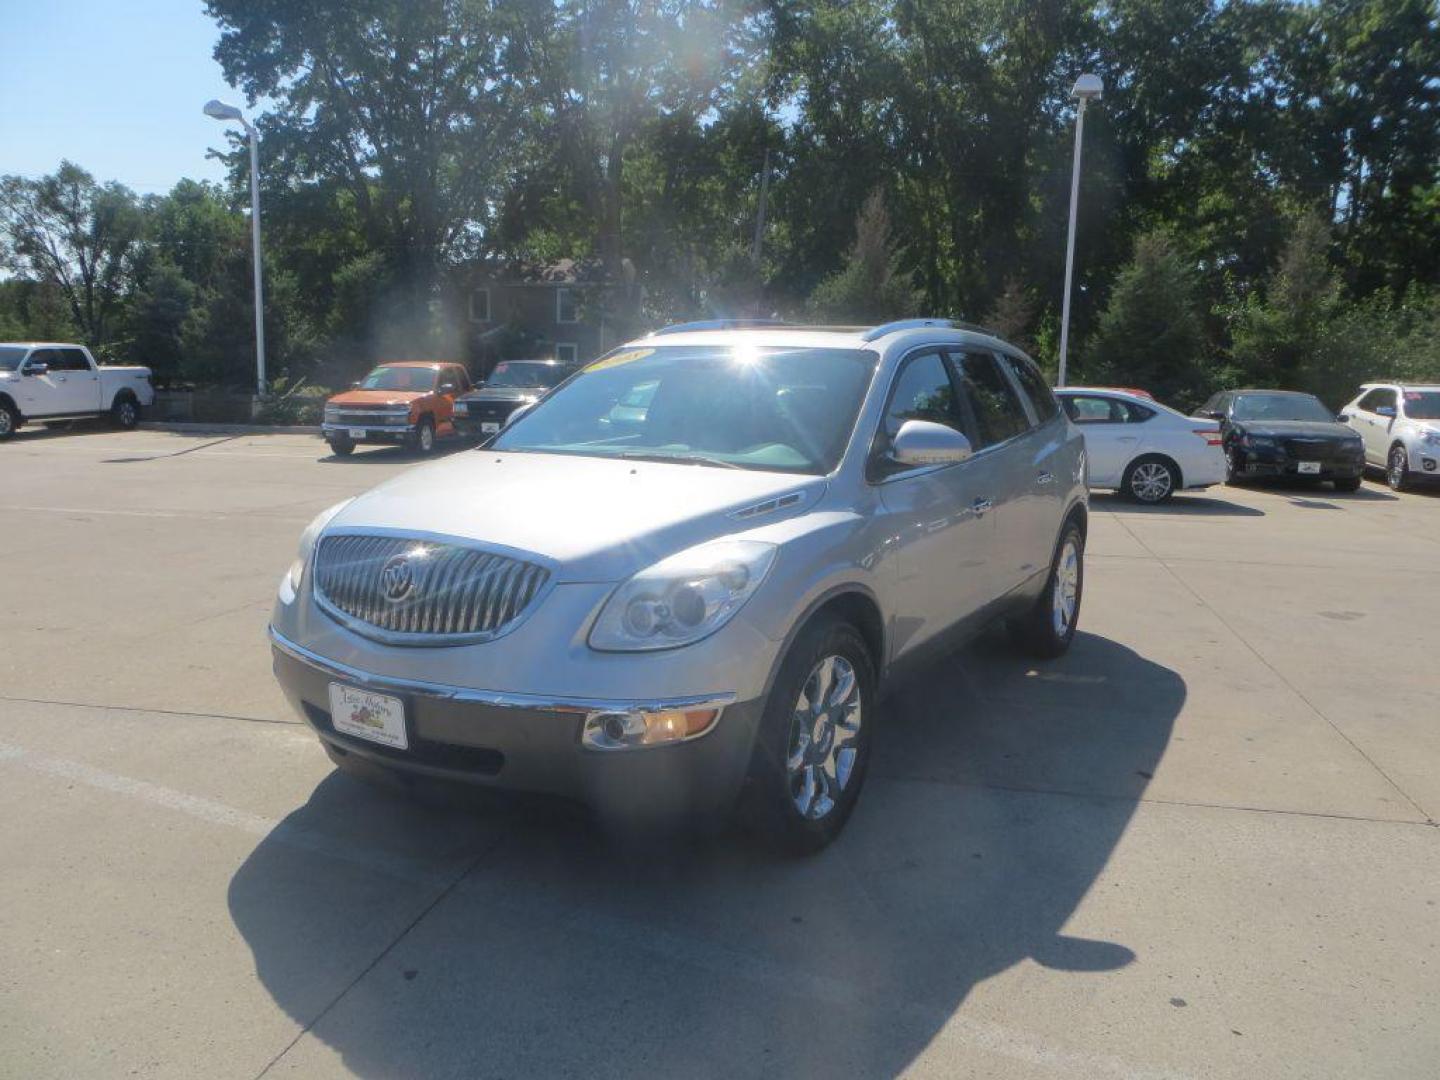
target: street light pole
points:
(1086, 87)
(219, 110)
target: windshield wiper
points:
(697, 459)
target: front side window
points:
(751, 407)
(1381, 395)
(922, 391)
(1033, 383)
(984, 389)
(400, 378)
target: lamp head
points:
(219, 110)
(1088, 88)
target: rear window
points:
(1033, 383)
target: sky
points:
(116, 86)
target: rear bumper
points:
(524, 743)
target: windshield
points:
(777, 409)
(10, 357)
(400, 378)
(1422, 404)
(1280, 407)
(525, 373)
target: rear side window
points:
(988, 394)
(1033, 383)
(922, 392)
(1093, 410)
(72, 360)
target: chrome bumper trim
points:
(496, 698)
(364, 425)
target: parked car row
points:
(415, 403)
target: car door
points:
(81, 381)
(939, 517)
(1001, 433)
(1373, 425)
(47, 393)
(1111, 442)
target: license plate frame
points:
(489, 427)
(369, 715)
(1308, 468)
(356, 432)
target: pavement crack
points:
(469, 869)
(146, 709)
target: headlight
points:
(295, 576)
(683, 598)
(1431, 438)
(1259, 442)
(462, 408)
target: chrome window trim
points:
(431, 641)
(496, 698)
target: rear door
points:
(82, 382)
(941, 517)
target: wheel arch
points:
(8, 402)
(1155, 455)
(125, 393)
(853, 602)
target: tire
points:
(9, 421)
(1048, 628)
(423, 441)
(343, 446)
(125, 413)
(803, 784)
(1232, 469)
(1397, 469)
(1351, 483)
(1150, 480)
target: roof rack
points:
(922, 324)
(717, 324)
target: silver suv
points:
(1400, 423)
(683, 578)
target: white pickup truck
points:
(44, 380)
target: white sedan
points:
(1141, 448)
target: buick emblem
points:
(397, 576)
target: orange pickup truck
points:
(411, 402)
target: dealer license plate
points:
(368, 715)
(1309, 467)
(357, 432)
(489, 427)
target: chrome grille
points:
(421, 592)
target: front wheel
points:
(423, 441)
(8, 421)
(125, 413)
(1150, 481)
(1048, 628)
(1397, 469)
(342, 446)
(813, 746)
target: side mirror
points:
(1208, 414)
(919, 442)
(356, 384)
(36, 367)
(1385, 410)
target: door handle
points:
(982, 506)
(1045, 478)
(59, 378)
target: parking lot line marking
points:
(1276, 672)
(217, 813)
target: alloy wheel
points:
(1066, 595)
(1395, 474)
(7, 422)
(823, 732)
(127, 413)
(427, 438)
(1151, 481)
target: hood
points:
(1301, 429)
(504, 393)
(598, 519)
(377, 397)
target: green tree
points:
(872, 287)
(70, 232)
(1150, 334)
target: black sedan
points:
(1284, 433)
(514, 383)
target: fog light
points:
(635, 729)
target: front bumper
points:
(1258, 462)
(526, 742)
(368, 431)
(481, 419)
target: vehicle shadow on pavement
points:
(998, 792)
(393, 455)
(1180, 505)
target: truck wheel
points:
(125, 413)
(423, 441)
(8, 421)
(342, 446)
(813, 746)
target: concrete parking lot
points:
(1201, 845)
